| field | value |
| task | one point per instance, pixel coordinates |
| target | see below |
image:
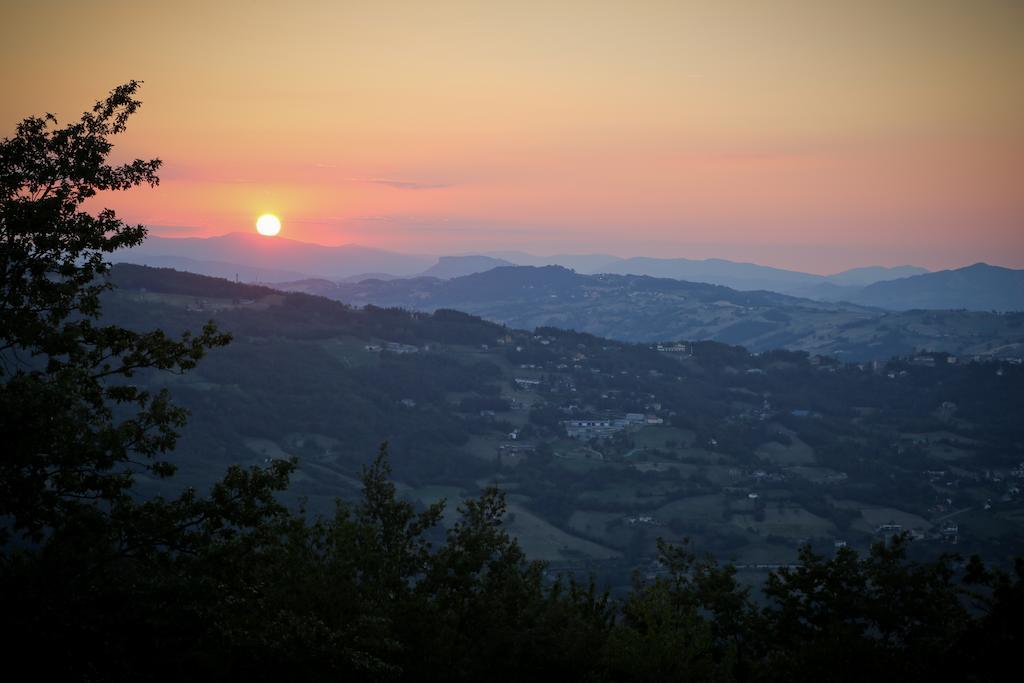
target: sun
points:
(268, 225)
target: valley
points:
(747, 454)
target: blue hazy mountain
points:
(753, 276)
(583, 263)
(448, 267)
(645, 309)
(980, 287)
(279, 253)
(862, 277)
(229, 271)
(252, 257)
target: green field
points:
(694, 508)
(817, 475)
(591, 522)
(700, 455)
(656, 436)
(542, 541)
(625, 495)
(789, 522)
(874, 517)
(795, 453)
(484, 446)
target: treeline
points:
(233, 586)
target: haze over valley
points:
(978, 287)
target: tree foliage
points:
(70, 438)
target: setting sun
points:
(268, 225)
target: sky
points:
(813, 135)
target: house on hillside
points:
(673, 348)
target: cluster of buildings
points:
(588, 429)
(674, 348)
(200, 305)
(948, 533)
(394, 347)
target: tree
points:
(87, 567)
(694, 621)
(877, 617)
(74, 427)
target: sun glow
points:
(268, 225)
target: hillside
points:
(980, 287)
(742, 276)
(753, 276)
(222, 269)
(868, 275)
(646, 309)
(746, 454)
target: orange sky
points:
(806, 134)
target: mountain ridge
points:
(281, 253)
(335, 262)
(645, 309)
(978, 287)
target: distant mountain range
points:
(741, 276)
(583, 263)
(646, 309)
(251, 252)
(751, 276)
(448, 267)
(251, 258)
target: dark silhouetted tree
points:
(75, 426)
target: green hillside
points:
(750, 455)
(646, 309)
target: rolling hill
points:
(749, 455)
(751, 276)
(646, 309)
